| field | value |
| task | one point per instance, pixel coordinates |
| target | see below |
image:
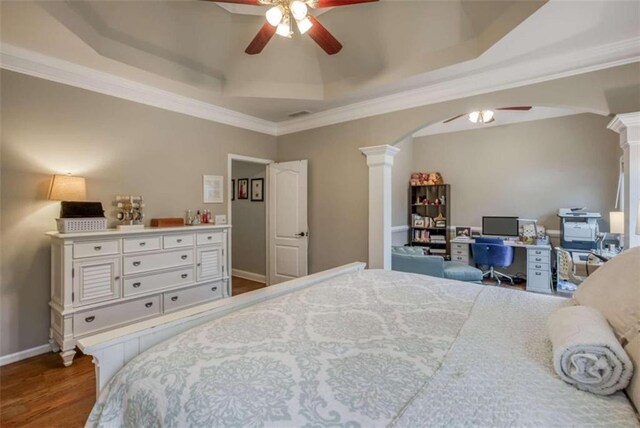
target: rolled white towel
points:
(586, 353)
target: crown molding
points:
(45, 67)
(625, 120)
(476, 83)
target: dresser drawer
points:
(111, 316)
(538, 258)
(459, 252)
(95, 248)
(538, 281)
(174, 300)
(136, 245)
(157, 281)
(206, 238)
(148, 262)
(178, 241)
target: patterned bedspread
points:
(372, 348)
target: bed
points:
(362, 348)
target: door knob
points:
(302, 234)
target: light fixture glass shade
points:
(474, 116)
(67, 188)
(616, 222)
(304, 25)
(284, 29)
(298, 10)
(487, 115)
(274, 15)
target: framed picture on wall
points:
(233, 189)
(257, 189)
(243, 188)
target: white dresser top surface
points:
(146, 230)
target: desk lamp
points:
(616, 225)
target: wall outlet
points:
(221, 219)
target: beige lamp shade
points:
(67, 188)
(616, 222)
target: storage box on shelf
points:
(430, 202)
(104, 280)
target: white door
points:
(288, 232)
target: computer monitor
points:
(500, 226)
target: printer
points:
(578, 228)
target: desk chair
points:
(566, 269)
(493, 253)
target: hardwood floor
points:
(40, 392)
(241, 285)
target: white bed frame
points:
(113, 349)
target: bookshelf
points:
(429, 216)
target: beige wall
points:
(338, 185)
(527, 169)
(121, 148)
(249, 223)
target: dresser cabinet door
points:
(96, 280)
(210, 263)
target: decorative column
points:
(380, 162)
(628, 126)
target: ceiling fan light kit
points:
(484, 116)
(282, 12)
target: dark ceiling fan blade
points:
(323, 37)
(261, 39)
(334, 3)
(453, 118)
(521, 108)
(250, 2)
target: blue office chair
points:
(493, 253)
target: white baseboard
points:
(249, 275)
(23, 355)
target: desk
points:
(539, 277)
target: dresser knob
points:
(136, 285)
(89, 319)
(214, 288)
(136, 263)
(148, 305)
(184, 275)
(178, 240)
(209, 237)
(98, 247)
(117, 278)
(538, 273)
(142, 244)
(174, 298)
(184, 257)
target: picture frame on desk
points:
(463, 232)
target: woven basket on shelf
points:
(68, 225)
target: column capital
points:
(379, 155)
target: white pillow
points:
(614, 289)
(633, 390)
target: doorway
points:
(248, 216)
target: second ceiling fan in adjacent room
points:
(281, 15)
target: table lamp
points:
(616, 224)
(67, 188)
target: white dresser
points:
(103, 280)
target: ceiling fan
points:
(281, 15)
(486, 116)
